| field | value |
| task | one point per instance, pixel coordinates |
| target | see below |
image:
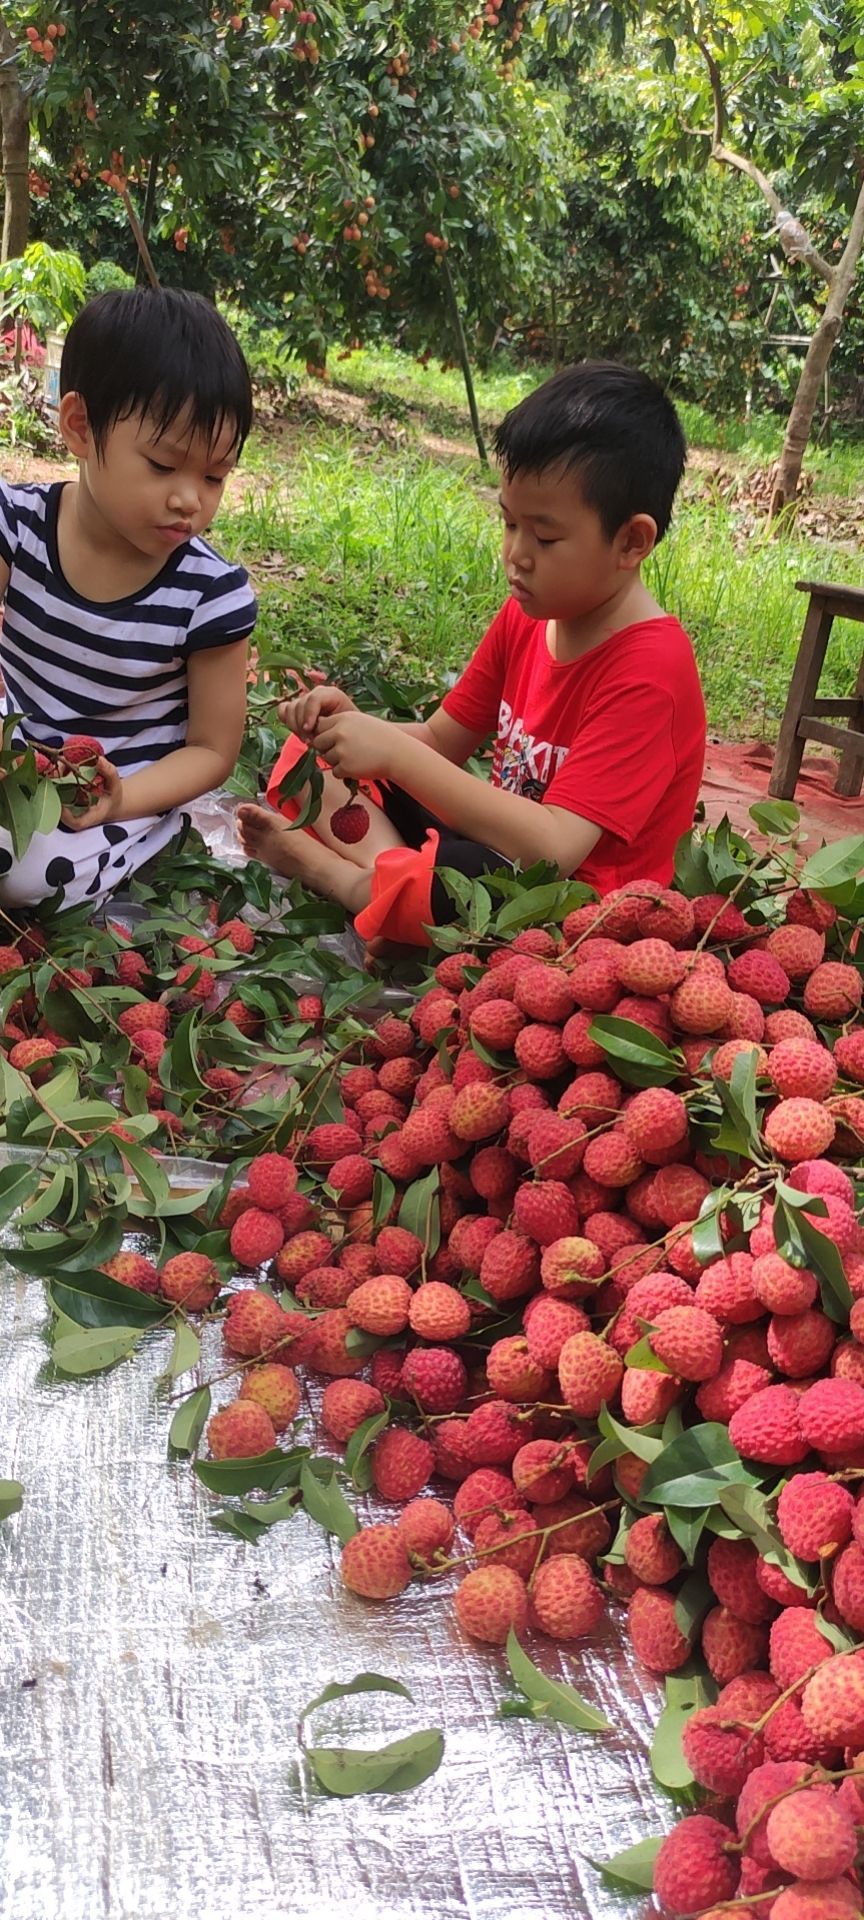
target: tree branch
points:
(716, 91)
(794, 238)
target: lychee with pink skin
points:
(833, 1700)
(732, 1572)
(548, 1323)
(689, 1342)
(566, 1602)
(435, 1377)
(817, 1900)
(801, 1069)
(650, 1551)
(589, 1372)
(545, 1210)
(484, 1491)
(694, 1868)
(833, 992)
(719, 1754)
(654, 1630)
(814, 1515)
(402, 1462)
(427, 1529)
(241, 1431)
(275, 1388)
(796, 1645)
(811, 1834)
(345, 1404)
(542, 1470)
(768, 1428)
(375, 1563)
(650, 967)
(731, 1646)
(490, 1602)
(509, 1540)
(570, 1268)
(655, 1119)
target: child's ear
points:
(75, 426)
(637, 539)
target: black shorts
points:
(413, 822)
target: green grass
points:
(388, 559)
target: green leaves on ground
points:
(551, 1699)
(633, 1867)
(324, 1500)
(11, 1497)
(189, 1422)
(395, 1768)
(685, 1694)
(93, 1349)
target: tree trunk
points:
(15, 120)
(464, 361)
(813, 371)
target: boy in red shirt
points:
(590, 689)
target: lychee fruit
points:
(242, 1430)
(489, 1602)
(375, 1563)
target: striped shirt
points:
(116, 669)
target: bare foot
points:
(265, 836)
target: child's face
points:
(157, 490)
(559, 562)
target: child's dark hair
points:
(613, 428)
(161, 351)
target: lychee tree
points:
(773, 95)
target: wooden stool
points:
(808, 718)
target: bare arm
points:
(307, 712)
(355, 745)
(217, 711)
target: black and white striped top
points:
(114, 669)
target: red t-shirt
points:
(617, 736)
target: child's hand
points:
(303, 713)
(105, 806)
(357, 746)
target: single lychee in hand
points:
(350, 823)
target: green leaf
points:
(96, 1300)
(705, 1233)
(11, 1497)
(692, 1603)
(361, 1683)
(266, 1470)
(420, 1211)
(824, 1260)
(358, 1465)
(92, 1349)
(244, 1525)
(684, 1696)
(646, 1446)
(633, 1867)
(325, 1503)
(17, 1186)
(186, 1351)
(832, 865)
(268, 1513)
(641, 1059)
(779, 818)
(642, 1356)
(560, 1701)
(693, 1471)
(189, 1422)
(686, 1528)
(185, 1071)
(151, 1178)
(396, 1768)
(383, 1196)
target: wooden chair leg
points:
(850, 773)
(802, 692)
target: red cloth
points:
(617, 736)
(400, 904)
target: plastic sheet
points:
(154, 1670)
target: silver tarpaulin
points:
(153, 1672)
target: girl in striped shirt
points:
(120, 620)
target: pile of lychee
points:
(496, 1242)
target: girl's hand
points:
(105, 805)
(304, 711)
(357, 746)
